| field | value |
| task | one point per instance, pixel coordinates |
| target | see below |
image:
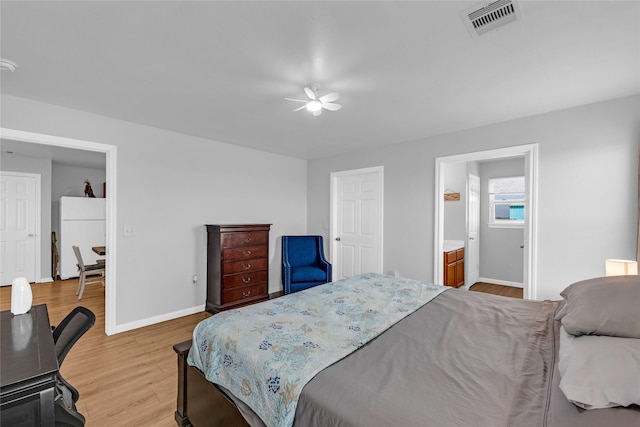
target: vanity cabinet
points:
(237, 265)
(454, 268)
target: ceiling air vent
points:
(485, 17)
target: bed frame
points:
(200, 402)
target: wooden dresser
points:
(237, 265)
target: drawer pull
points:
(246, 266)
(246, 293)
(246, 253)
(246, 279)
(248, 239)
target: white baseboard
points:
(501, 282)
(157, 319)
(43, 280)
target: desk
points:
(28, 370)
(100, 250)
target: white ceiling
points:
(404, 70)
(57, 155)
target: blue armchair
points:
(303, 263)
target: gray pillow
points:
(603, 306)
(599, 372)
(562, 312)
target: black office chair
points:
(65, 412)
(69, 331)
(65, 335)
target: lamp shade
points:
(620, 267)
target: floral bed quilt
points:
(267, 352)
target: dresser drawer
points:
(247, 292)
(233, 240)
(245, 252)
(243, 279)
(245, 266)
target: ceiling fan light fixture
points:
(314, 105)
(6, 65)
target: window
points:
(507, 202)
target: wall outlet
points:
(128, 231)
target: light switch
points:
(129, 231)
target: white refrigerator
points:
(82, 224)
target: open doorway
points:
(110, 152)
(467, 239)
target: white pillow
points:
(599, 371)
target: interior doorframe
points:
(467, 265)
(110, 152)
(333, 209)
(37, 273)
(530, 153)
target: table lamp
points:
(620, 267)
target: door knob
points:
(470, 238)
(30, 235)
(337, 239)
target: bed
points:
(458, 359)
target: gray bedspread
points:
(464, 359)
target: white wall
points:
(42, 167)
(455, 211)
(587, 158)
(501, 257)
(169, 186)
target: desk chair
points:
(87, 270)
(65, 335)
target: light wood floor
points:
(127, 379)
(490, 288)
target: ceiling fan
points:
(316, 103)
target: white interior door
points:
(472, 251)
(356, 226)
(18, 226)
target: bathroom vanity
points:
(453, 263)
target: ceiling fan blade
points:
(317, 113)
(297, 100)
(310, 93)
(330, 97)
(331, 107)
(299, 108)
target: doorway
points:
(530, 154)
(110, 152)
(356, 222)
(472, 254)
